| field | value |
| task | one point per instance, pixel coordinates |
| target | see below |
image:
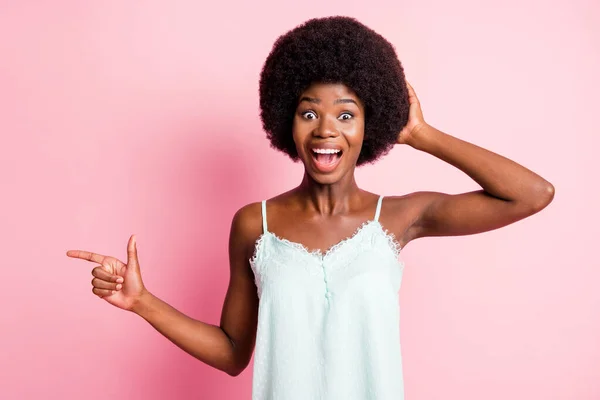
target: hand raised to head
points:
(415, 118)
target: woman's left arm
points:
(510, 192)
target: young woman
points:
(315, 271)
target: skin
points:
(325, 209)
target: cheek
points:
(356, 135)
(300, 131)
(298, 139)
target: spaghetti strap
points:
(378, 211)
(264, 215)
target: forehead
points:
(329, 92)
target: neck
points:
(331, 198)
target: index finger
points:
(86, 255)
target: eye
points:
(346, 116)
(309, 115)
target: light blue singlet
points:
(328, 323)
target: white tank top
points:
(328, 323)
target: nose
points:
(327, 127)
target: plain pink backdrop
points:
(121, 117)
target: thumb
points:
(132, 257)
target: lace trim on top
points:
(392, 242)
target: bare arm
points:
(229, 346)
(510, 192)
(208, 343)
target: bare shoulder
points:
(246, 227)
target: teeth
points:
(326, 151)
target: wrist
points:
(419, 135)
(142, 303)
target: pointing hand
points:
(118, 283)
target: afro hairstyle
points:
(334, 50)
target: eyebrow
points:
(318, 101)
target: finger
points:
(132, 257)
(101, 284)
(411, 92)
(101, 273)
(103, 292)
(86, 255)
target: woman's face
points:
(328, 131)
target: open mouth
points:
(325, 160)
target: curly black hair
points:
(335, 50)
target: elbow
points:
(543, 196)
(236, 359)
(235, 370)
(234, 373)
(236, 364)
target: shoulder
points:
(246, 227)
(248, 215)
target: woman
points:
(315, 271)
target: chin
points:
(324, 179)
(328, 178)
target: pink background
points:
(142, 117)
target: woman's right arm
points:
(227, 347)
